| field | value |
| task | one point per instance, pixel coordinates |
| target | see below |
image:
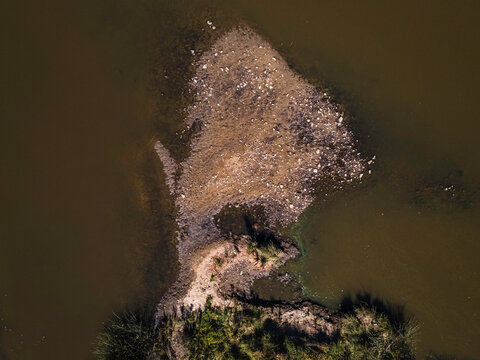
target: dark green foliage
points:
(130, 336)
(263, 251)
(245, 332)
(369, 335)
(239, 334)
(208, 334)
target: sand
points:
(266, 137)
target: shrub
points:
(128, 336)
(207, 334)
(239, 334)
(247, 333)
(264, 250)
(368, 335)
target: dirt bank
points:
(265, 138)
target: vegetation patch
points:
(238, 333)
(263, 251)
(264, 244)
(130, 336)
(249, 332)
(370, 335)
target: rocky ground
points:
(265, 137)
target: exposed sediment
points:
(226, 268)
(265, 138)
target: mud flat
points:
(266, 138)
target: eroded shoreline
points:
(264, 141)
(265, 138)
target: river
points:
(86, 220)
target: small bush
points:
(218, 262)
(368, 335)
(128, 336)
(208, 334)
(263, 251)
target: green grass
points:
(241, 334)
(247, 333)
(132, 336)
(367, 335)
(263, 252)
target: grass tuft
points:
(130, 336)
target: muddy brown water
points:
(85, 219)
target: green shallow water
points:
(86, 227)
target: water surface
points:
(85, 223)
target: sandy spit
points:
(266, 137)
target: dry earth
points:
(265, 137)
